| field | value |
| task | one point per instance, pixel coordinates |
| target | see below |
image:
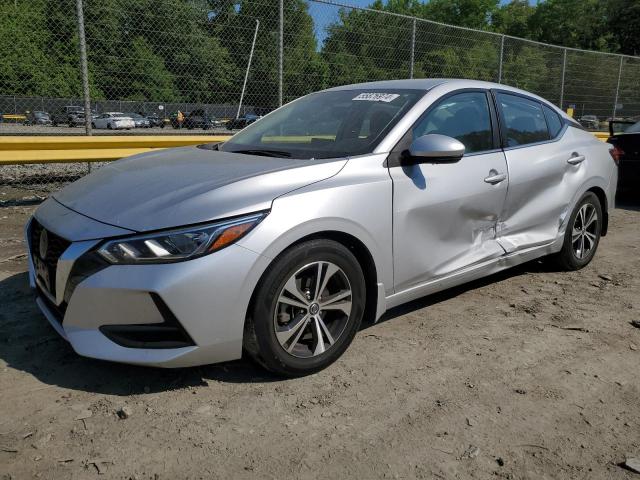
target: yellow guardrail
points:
(13, 116)
(15, 150)
(49, 149)
(602, 135)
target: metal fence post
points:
(281, 52)
(564, 69)
(501, 56)
(246, 75)
(84, 69)
(615, 103)
(413, 48)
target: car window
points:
(553, 121)
(463, 116)
(524, 120)
(635, 128)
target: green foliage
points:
(513, 18)
(197, 50)
(464, 13)
(33, 60)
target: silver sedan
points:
(321, 215)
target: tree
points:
(571, 23)
(364, 45)
(513, 18)
(36, 52)
(623, 21)
(464, 13)
(303, 69)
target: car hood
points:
(182, 186)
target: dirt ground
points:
(531, 373)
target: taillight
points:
(616, 153)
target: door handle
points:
(495, 177)
(575, 159)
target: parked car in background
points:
(241, 122)
(589, 121)
(139, 120)
(78, 119)
(157, 121)
(67, 115)
(37, 118)
(113, 121)
(198, 119)
(330, 210)
(625, 138)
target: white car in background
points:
(113, 121)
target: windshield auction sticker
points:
(377, 97)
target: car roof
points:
(429, 83)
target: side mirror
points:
(434, 148)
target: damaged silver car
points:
(324, 213)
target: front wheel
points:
(307, 309)
(583, 234)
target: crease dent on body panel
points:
(346, 161)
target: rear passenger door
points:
(537, 159)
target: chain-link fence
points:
(221, 59)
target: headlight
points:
(180, 244)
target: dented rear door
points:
(542, 176)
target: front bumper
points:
(208, 296)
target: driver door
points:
(445, 214)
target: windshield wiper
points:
(264, 153)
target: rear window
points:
(553, 121)
(524, 120)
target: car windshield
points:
(328, 124)
(635, 128)
(133, 115)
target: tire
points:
(109, 127)
(301, 353)
(93, 125)
(572, 256)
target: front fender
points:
(357, 202)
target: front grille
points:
(56, 245)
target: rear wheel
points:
(306, 309)
(583, 234)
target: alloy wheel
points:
(313, 309)
(584, 231)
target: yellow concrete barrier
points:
(51, 149)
